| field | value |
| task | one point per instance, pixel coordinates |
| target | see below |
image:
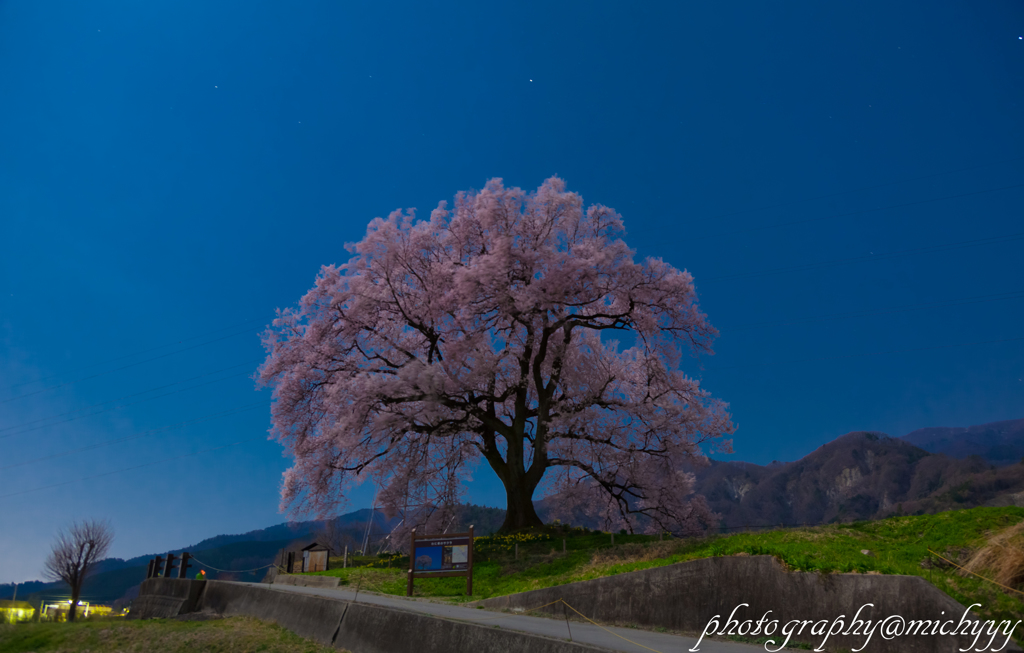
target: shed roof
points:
(316, 546)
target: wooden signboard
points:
(441, 556)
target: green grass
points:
(234, 635)
(898, 545)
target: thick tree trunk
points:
(519, 510)
(74, 603)
(520, 482)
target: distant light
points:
(531, 80)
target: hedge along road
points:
(616, 639)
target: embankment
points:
(686, 596)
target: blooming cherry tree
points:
(487, 332)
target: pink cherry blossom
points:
(488, 333)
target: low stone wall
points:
(307, 581)
(164, 598)
(686, 596)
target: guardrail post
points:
(184, 565)
(169, 568)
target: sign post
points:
(441, 556)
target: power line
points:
(137, 353)
(141, 434)
(136, 394)
(845, 215)
(874, 353)
(128, 469)
(993, 240)
(881, 185)
(166, 394)
(124, 367)
(950, 303)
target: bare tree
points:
(75, 552)
(332, 535)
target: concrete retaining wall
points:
(373, 629)
(314, 617)
(307, 581)
(164, 598)
(686, 596)
(359, 627)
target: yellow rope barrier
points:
(978, 575)
(606, 630)
(506, 616)
(562, 601)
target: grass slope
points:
(235, 635)
(898, 545)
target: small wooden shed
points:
(315, 557)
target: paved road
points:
(642, 641)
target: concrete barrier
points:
(166, 597)
(374, 629)
(307, 581)
(314, 617)
(686, 596)
(358, 627)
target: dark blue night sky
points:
(844, 180)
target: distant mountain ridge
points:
(113, 577)
(1000, 443)
(857, 476)
(864, 475)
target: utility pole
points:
(369, 524)
(15, 597)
